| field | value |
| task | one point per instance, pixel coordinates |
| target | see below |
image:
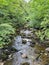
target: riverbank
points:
(24, 49)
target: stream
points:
(25, 54)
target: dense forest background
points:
(16, 13)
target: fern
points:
(5, 31)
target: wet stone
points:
(22, 34)
(27, 40)
(47, 49)
(32, 44)
(25, 63)
(1, 63)
(23, 41)
(8, 62)
(24, 56)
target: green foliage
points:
(40, 35)
(39, 9)
(13, 14)
(47, 33)
(45, 22)
(13, 11)
(39, 17)
(5, 31)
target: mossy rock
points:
(25, 63)
(45, 59)
(39, 48)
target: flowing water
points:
(25, 52)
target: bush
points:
(5, 31)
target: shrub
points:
(5, 31)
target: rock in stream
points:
(25, 54)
